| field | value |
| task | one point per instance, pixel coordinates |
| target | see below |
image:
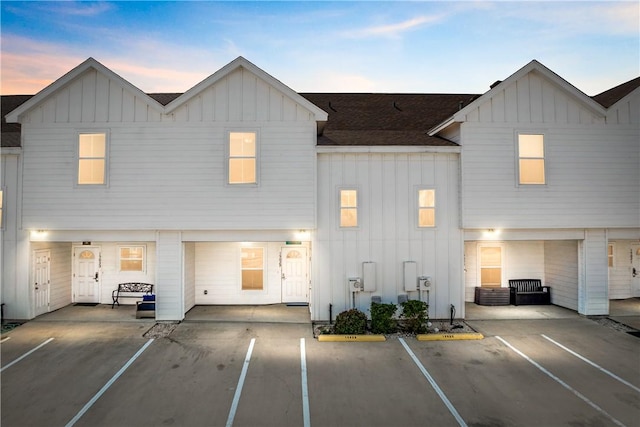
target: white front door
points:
(295, 275)
(41, 282)
(635, 270)
(86, 274)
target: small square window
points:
(132, 258)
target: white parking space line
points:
(4, 339)
(435, 386)
(26, 354)
(584, 359)
(108, 384)
(305, 389)
(562, 383)
(243, 374)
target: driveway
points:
(533, 372)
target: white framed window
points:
(132, 258)
(1, 209)
(92, 159)
(426, 208)
(610, 254)
(531, 159)
(242, 158)
(348, 208)
(490, 262)
(252, 268)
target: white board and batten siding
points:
(156, 168)
(169, 276)
(387, 232)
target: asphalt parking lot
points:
(552, 372)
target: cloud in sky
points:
(415, 46)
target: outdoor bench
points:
(528, 292)
(130, 290)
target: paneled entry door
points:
(635, 270)
(86, 274)
(295, 275)
(41, 281)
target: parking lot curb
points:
(351, 338)
(449, 337)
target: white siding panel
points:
(169, 276)
(189, 276)
(594, 298)
(561, 272)
(387, 233)
(59, 274)
(592, 177)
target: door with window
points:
(490, 266)
(41, 281)
(295, 275)
(86, 274)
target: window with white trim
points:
(349, 208)
(132, 258)
(92, 159)
(242, 162)
(490, 266)
(1, 209)
(531, 160)
(252, 267)
(426, 208)
(610, 254)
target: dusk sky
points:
(343, 46)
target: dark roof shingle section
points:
(11, 131)
(615, 94)
(375, 119)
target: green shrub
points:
(382, 321)
(350, 322)
(415, 316)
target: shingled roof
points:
(10, 136)
(375, 119)
(615, 94)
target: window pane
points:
(490, 277)
(531, 145)
(92, 145)
(427, 217)
(426, 198)
(348, 198)
(242, 144)
(491, 257)
(242, 171)
(348, 217)
(252, 280)
(131, 265)
(91, 171)
(531, 171)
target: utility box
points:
(424, 283)
(410, 275)
(369, 276)
(355, 284)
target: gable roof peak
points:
(89, 63)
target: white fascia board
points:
(442, 126)
(14, 116)
(324, 149)
(241, 62)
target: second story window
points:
(348, 208)
(426, 208)
(531, 159)
(242, 158)
(92, 159)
